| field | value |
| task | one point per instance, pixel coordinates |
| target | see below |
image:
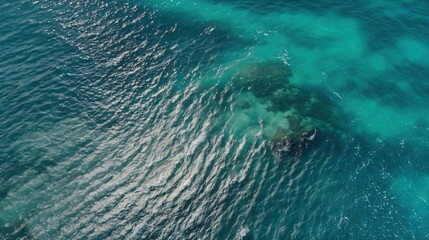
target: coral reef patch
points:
(292, 115)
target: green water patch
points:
(412, 194)
(382, 121)
(414, 50)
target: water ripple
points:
(118, 125)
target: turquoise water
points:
(214, 119)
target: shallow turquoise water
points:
(159, 120)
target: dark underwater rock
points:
(309, 136)
(306, 112)
(294, 122)
(286, 98)
(320, 107)
(293, 145)
(283, 146)
(263, 78)
(245, 105)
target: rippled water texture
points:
(214, 119)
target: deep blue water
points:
(194, 119)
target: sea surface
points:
(214, 119)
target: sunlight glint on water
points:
(213, 119)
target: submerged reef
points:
(292, 115)
(263, 79)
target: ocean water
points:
(214, 119)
